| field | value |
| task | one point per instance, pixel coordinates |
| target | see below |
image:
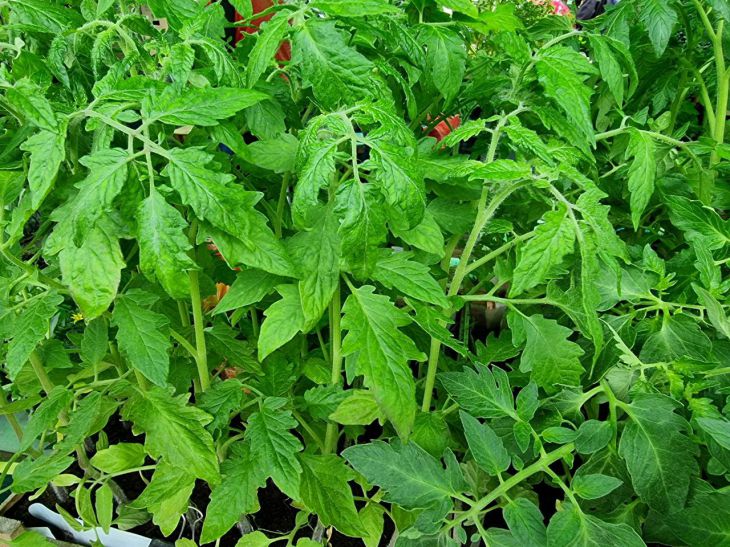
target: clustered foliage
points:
(514, 336)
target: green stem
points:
(184, 314)
(33, 271)
(540, 465)
(330, 439)
(484, 214)
(201, 352)
(184, 343)
(40, 372)
(281, 205)
(497, 252)
(312, 433)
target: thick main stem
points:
(201, 357)
(330, 439)
(484, 215)
(723, 87)
(460, 273)
(40, 372)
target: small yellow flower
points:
(78, 316)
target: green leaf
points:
(29, 328)
(573, 528)
(163, 246)
(485, 446)
(31, 539)
(658, 18)
(316, 254)
(167, 496)
(95, 342)
(528, 141)
(525, 521)
(596, 215)
(180, 63)
(90, 416)
(119, 457)
(176, 12)
(144, 339)
(426, 236)
(277, 154)
(325, 489)
(398, 176)
(721, 7)
(466, 7)
(250, 287)
(371, 517)
(718, 429)
(642, 173)
(268, 41)
(355, 8)
(710, 272)
(198, 106)
(92, 271)
(174, 431)
(432, 322)
(409, 475)
(698, 221)
(284, 319)
(549, 355)
(47, 151)
(705, 522)
(107, 174)
(561, 71)
(593, 435)
(359, 408)
(335, 71)
(715, 311)
(363, 224)
(315, 163)
(274, 447)
(376, 349)
(33, 106)
(502, 170)
(394, 270)
(104, 506)
(236, 495)
(220, 401)
(659, 456)
(611, 70)
(46, 16)
(594, 486)
(46, 415)
(483, 393)
(32, 474)
(259, 248)
(253, 539)
(445, 59)
(321, 401)
(211, 195)
(467, 130)
(540, 257)
(679, 337)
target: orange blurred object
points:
(445, 127)
(221, 289)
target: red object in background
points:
(284, 53)
(443, 128)
(559, 7)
